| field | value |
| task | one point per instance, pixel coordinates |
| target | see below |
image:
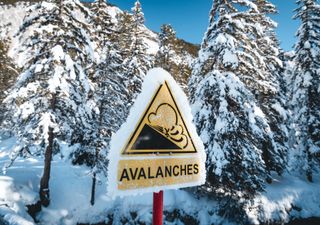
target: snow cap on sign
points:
(154, 78)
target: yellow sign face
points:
(161, 129)
(135, 174)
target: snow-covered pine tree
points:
(136, 60)
(226, 79)
(306, 87)
(104, 27)
(110, 92)
(171, 56)
(288, 68)
(51, 96)
(167, 38)
(8, 74)
(224, 108)
(273, 100)
(124, 31)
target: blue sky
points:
(190, 17)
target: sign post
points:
(157, 213)
(158, 147)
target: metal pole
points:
(157, 208)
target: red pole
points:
(157, 208)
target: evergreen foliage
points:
(111, 95)
(273, 103)
(8, 74)
(306, 87)
(82, 68)
(172, 57)
(167, 38)
(231, 82)
(51, 96)
(136, 60)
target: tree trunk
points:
(94, 179)
(309, 164)
(44, 191)
(93, 188)
(44, 182)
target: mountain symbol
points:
(150, 138)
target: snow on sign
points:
(158, 147)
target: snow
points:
(307, 78)
(27, 109)
(230, 58)
(55, 80)
(258, 112)
(113, 12)
(70, 67)
(154, 78)
(23, 91)
(307, 45)
(38, 68)
(13, 197)
(46, 123)
(286, 198)
(13, 16)
(58, 53)
(250, 4)
(151, 40)
(153, 46)
(220, 39)
(280, 110)
(47, 5)
(70, 188)
(289, 196)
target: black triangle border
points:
(145, 152)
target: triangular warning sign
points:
(157, 148)
(162, 129)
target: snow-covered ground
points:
(70, 196)
(288, 197)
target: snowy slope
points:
(11, 17)
(151, 38)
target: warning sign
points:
(162, 129)
(158, 147)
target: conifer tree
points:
(124, 29)
(227, 80)
(288, 68)
(167, 38)
(273, 101)
(306, 87)
(171, 56)
(8, 74)
(51, 96)
(136, 62)
(231, 124)
(104, 27)
(110, 92)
